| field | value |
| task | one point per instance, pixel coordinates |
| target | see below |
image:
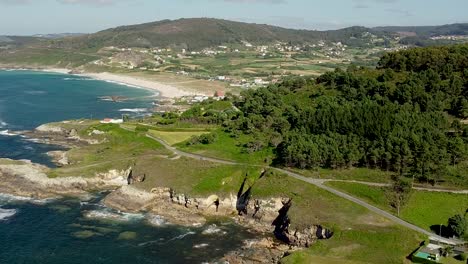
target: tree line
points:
(403, 116)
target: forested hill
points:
(406, 116)
(429, 31)
(197, 33)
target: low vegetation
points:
(424, 209)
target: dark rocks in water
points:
(243, 199)
(298, 238)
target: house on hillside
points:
(427, 255)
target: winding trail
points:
(320, 184)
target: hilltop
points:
(197, 33)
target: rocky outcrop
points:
(129, 198)
(59, 135)
(132, 178)
(60, 158)
(30, 180)
(298, 238)
(264, 250)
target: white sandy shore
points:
(162, 89)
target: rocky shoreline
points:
(26, 179)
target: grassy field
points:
(357, 174)
(121, 148)
(423, 209)
(174, 137)
(229, 148)
(360, 236)
(374, 245)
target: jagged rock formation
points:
(298, 238)
(132, 178)
(27, 179)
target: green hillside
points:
(197, 33)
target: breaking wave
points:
(134, 110)
(35, 92)
(156, 220)
(213, 229)
(6, 133)
(8, 198)
(6, 213)
(124, 84)
(108, 214)
(201, 245)
(190, 233)
(77, 79)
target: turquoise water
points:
(71, 231)
(29, 99)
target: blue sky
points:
(23, 17)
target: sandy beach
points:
(163, 90)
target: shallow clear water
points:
(70, 231)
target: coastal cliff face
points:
(26, 179)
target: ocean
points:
(73, 231)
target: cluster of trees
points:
(403, 116)
(458, 225)
(203, 139)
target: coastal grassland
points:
(230, 148)
(119, 149)
(359, 235)
(355, 246)
(358, 232)
(423, 209)
(354, 174)
(174, 137)
(192, 176)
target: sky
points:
(28, 17)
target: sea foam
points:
(111, 215)
(213, 229)
(6, 133)
(156, 220)
(6, 213)
(134, 110)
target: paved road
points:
(320, 184)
